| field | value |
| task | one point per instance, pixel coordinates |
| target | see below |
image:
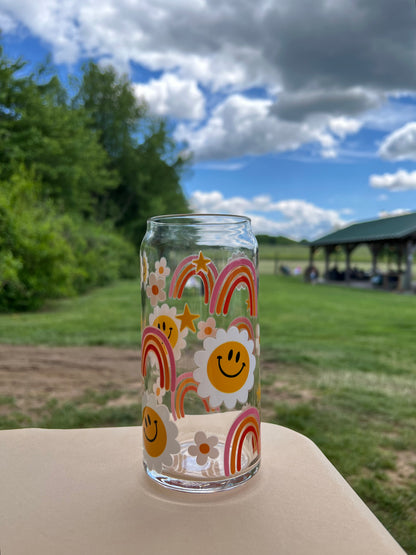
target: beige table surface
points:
(85, 492)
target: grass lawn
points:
(339, 365)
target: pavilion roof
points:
(382, 229)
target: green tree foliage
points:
(41, 131)
(141, 151)
(47, 254)
(76, 175)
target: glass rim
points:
(195, 219)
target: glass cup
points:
(200, 351)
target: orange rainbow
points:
(186, 383)
(243, 323)
(185, 270)
(240, 270)
(153, 340)
(247, 423)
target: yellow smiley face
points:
(168, 327)
(154, 432)
(228, 366)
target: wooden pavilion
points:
(397, 233)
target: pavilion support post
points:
(375, 249)
(311, 255)
(410, 248)
(328, 251)
(348, 250)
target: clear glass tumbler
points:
(200, 351)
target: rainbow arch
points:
(185, 383)
(243, 323)
(154, 341)
(185, 270)
(247, 423)
(239, 270)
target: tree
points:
(39, 129)
(141, 150)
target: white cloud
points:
(401, 144)
(229, 47)
(343, 126)
(7, 23)
(172, 96)
(402, 180)
(396, 212)
(295, 218)
(240, 126)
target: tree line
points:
(82, 167)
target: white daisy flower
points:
(155, 289)
(204, 447)
(225, 368)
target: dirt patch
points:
(32, 375)
(405, 468)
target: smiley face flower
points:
(159, 433)
(204, 447)
(155, 289)
(225, 368)
(165, 319)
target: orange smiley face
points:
(154, 432)
(228, 367)
(166, 325)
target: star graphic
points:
(201, 263)
(187, 319)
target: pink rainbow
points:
(229, 279)
(153, 340)
(247, 422)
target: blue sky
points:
(300, 114)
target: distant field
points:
(301, 252)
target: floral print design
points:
(207, 329)
(158, 391)
(204, 448)
(155, 289)
(162, 270)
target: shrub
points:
(45, 254)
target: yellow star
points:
(187, 319)
(201, 263)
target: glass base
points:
(201, 486)
(186, 475)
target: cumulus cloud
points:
(402, 180)
(343, 126)
(173, 96)
(245, 125)
(401, 144)
(294, 218)
(324, 66)
(297, 105)
(396, 212)
(289, 44)
(7, 23)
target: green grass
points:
(106, 316)
(339, 365)
(86, 411)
